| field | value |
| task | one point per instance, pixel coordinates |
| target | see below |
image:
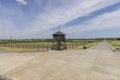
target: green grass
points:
(49, 44)
(32, 44)
(88, 45)
(16, 49)
(40, 43)
(115, 43)
(20, 50)
(92, 44)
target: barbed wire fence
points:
(36, 43)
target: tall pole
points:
(11, 41)
(71, 36)
(84, 44)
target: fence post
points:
(47, 48)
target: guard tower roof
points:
(58, 33)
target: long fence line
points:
(40, 48)
(27, 47)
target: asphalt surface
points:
(96, 63)
(102, 46)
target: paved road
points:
(96, 63)
(102, 46)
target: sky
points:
(42, 18)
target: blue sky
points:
(41, 18)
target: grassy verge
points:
(30, 44)
(49, 44)
(91, 44)
(16, 50)
(115, 43)
(88, 45)
(26, 50)
(19, 50)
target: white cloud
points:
(106, 21)
(65, 13)
(22, 2)
(56, 14)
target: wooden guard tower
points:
(59, 41)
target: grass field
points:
(30, 46)
(72, 44)
(88, 45)
(92, 44)
(16, 50)
(115, 43)
(31, 43)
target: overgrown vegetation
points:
(115, 43)
(42, 45)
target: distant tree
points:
(118, 38)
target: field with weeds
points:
(115, 43)
(43, 45)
